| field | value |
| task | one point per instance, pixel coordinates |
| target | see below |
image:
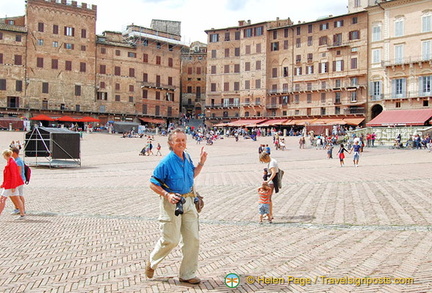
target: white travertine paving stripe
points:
(90, 229)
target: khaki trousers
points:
(172, 227)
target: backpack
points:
(27, 173)
(280, 175)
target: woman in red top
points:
(11, 180)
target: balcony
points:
(250, 104)
(406, 95)
(355, 110)
(425, 94)
(225, 105)
(347, 86)
(378, 97)
(408, 60)
(273, 106)
(303, 88)
(158, 86)
(278, 91)
(336, 45)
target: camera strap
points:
(163, 184)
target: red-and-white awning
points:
(273, 122)
(246, 122)
(402, 118)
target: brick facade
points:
(319, 68)
(60, 56)
(376, 57)
(13, 41)
(193, 79)
(63, 67)
(281, 69)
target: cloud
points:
(236, 5)
(166, 4)
(153, 1)
(12, 8)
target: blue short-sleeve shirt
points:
(178, 174)
(356, 148)
(20, 163)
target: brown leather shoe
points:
(191, 281)
(149, 272)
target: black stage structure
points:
(58, 147)
(122, 126)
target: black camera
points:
(179, 206)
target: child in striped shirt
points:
(264, 202)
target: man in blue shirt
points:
(174, 177)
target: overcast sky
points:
(196, 16)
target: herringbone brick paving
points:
(90, 229)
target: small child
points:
(264, 202)
(341, 154)
(158, 150)
(330, 151)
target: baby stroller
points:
(144, 151)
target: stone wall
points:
(387, 135)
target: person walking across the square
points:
(158, 148)
(20, 164)
(329, 148)
(341, 154)
(172, 180)
(11, 181)
(356, 148)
